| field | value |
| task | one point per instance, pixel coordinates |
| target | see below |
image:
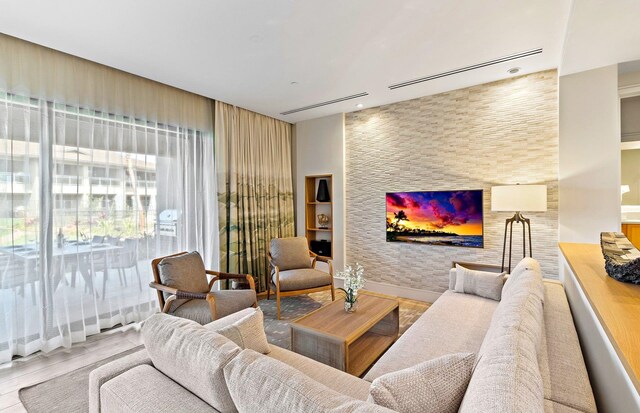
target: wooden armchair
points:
(293, 270)
(183, 290)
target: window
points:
(78, 217)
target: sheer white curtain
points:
(94, 184)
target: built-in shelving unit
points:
(313, 208)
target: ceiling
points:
(602, 33)
(248, 52)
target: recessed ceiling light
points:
(513, 70)
(359, 105)
(293, 83)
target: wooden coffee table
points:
(350, 342)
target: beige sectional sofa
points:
(528, 359)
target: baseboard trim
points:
(404, 292)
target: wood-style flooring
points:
(40, 367)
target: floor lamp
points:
(518, 198)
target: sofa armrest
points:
(110, 370)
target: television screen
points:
(452, 218)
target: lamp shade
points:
(519, 198)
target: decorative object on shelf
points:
(323, 221)
(621, 258)
(353, 281)
(323, 191)
(518, 198)
(450, 218)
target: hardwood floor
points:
(40, 367)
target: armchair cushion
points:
(232, 301)
(185, 272)
(227, 302)
(302, 279)
(195, 310)
(290, 253)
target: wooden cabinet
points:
(315, 230)
(632, 231)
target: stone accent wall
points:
(498, 133)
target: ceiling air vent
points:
(468, 68)
(328, 102)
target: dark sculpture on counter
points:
(621, 258)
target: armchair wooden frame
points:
(165, 305)
(280, 294)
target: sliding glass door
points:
(87, 199)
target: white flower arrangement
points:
(353, 281)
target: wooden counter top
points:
(616, 304)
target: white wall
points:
(319, 149)
(589, 167)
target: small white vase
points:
(350, 307)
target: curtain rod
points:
(33, 106)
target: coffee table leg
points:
(326, 349)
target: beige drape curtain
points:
(92, 161)
(255, 190)
(38, 72)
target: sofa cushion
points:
(248, 332)
(185, 272)
(560, 357)
(144, 389)
(292, 280)
(334, 379)
(507, 376)
(434, 386)
(262, 384)
(290, 253)
(192, 356)
(455, 323)
(481, 283)
(109, 371)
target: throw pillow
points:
(481, 283)
(436, 385)
(192, 356)
(248, 332)
(258, 383)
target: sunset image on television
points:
(451, 218)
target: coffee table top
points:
(333, 320)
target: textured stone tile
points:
(504, 132)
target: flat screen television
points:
(452, 218)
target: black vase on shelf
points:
(323, 191)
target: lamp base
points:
(508, 227)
